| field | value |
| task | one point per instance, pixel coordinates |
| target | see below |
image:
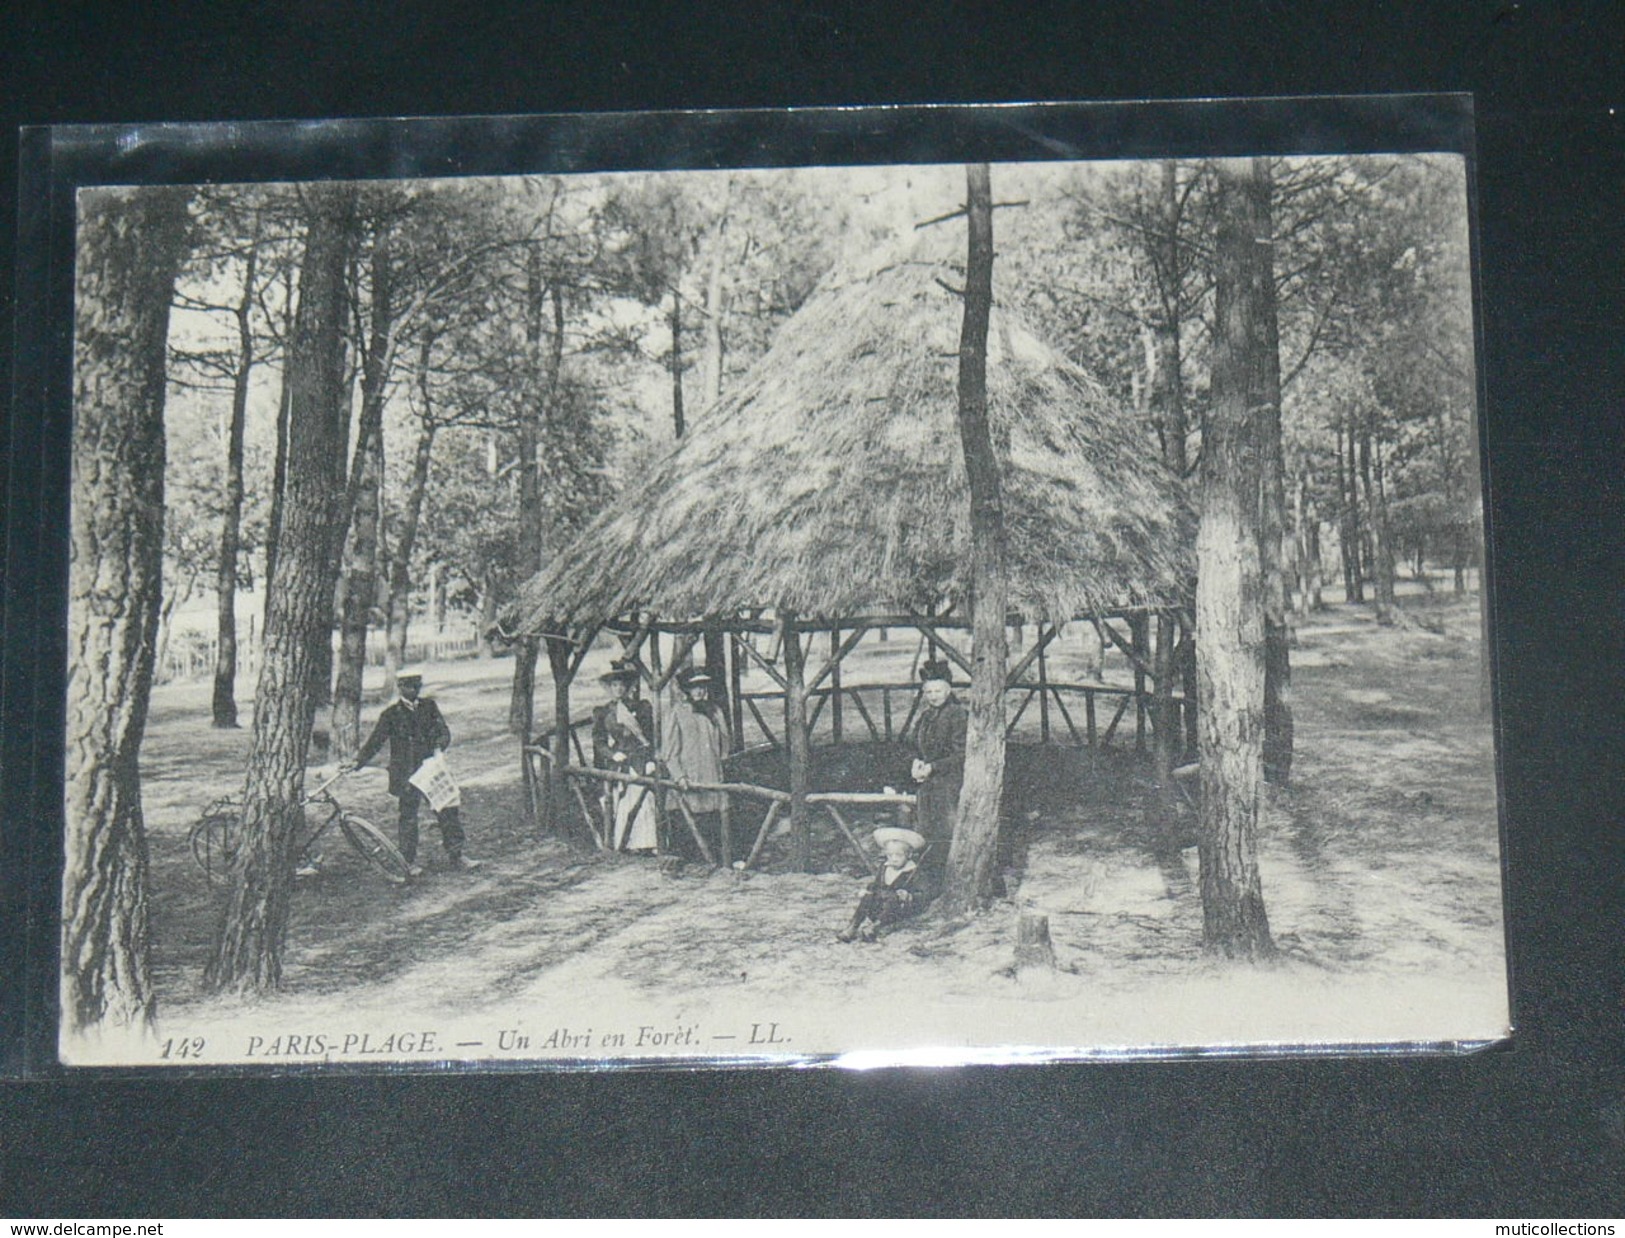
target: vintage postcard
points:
(982, 610)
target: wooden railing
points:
(597, 818)
(884, 721)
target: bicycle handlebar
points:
(310, 795)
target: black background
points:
(1536, 1131)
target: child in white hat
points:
(892, 895)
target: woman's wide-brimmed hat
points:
(936, 668)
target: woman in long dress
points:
(623, 741)
(939, 763)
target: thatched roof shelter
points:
(830, 481)
(829, 487)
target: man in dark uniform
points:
(415, 730)
(939, 763)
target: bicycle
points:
(217, 836)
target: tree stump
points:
(1033, 948)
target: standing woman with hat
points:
(623, 731)
(939, 761)
(694, 741)
(415, 730)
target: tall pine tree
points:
(1230, 586)
(248, 952)
(131, 244)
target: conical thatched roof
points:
(831, 480)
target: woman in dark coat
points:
(939, 761)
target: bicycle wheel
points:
(375, 848)
(214, 841)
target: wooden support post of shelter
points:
(564, 668)
(716, 654)
(1138, 626)
(799, 744)
(835, 682)
(1043, 687)
(1164, 718)
(736, 702)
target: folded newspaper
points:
(434, 779)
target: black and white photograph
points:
(884, 614)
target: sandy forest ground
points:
(1380, 867)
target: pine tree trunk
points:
(320, 693)
(714, 304)
(248, 951)
(1352, 526)
(1168, 401)
(437, 597)
(488, 612)
(1272, 513)
(1173, 431)
(544, 389)
(224, 704)
(131, 245)
(337, 429)
(1380, 556)
(279, 469)
(1382, 542)
(360, 592)
(364, 499)
(679, 426)
(1315, 585)
(971, 855)
(173, 601)
(400, 564)
(522, 695)
(1311, 582)
(1168, 397)
(1343, 526)
(400, 567)
(1300, 550)
(1229, 597)
(397, 628)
